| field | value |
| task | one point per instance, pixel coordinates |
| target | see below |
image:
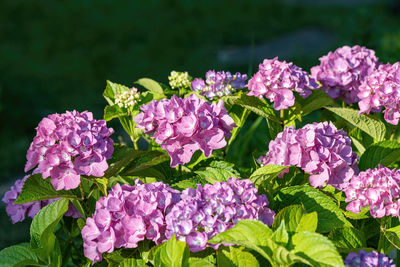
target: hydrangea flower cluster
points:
(276, 80)
(69, 145)
(377, 188)
(206, 211)
(219, 83)
(368, 259)
(126, 216)
(128, 98)
(382, 89)
(183, 126)
(18, 212)
(319, 149)
(178, 80)
(341, 72)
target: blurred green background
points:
(57, 55)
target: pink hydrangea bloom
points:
(276, 80)
(69, 145)
(18, 212)
(368, 259)
(128, 215)
(183, 126)
(319, 149)
(377, 189)
(206, 211)
(342, 71)
(382, 89)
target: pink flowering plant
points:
(285, 166)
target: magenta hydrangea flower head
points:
(382, 89)
(276, 80)
(319, 149)
(183, 126)
(18, 212)
(368, 259)
(377, 189)
(126, 216)
(341, 72)
(69, 145)
(219, 83)
(206, 211)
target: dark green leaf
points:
(347, 238)
(18, 255)
(36, 188)
(316, 100)
(384, 153)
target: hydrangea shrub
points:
(311, 178)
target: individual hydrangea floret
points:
(377, 189)
(69, 145)
(382, 89)
(128, 98)
(179, 80)
(206, 211)
(341, 72)
(219, 83)
(183, 126)
(368, 259)
(126, 216)
(276, 80)
(319, 149)
(18, 212)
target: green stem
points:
(282, 116)
(393, 133)
(82, 191)
(385, 223)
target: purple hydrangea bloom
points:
(126, 216)
(382, 89)
(183, 126)
(377, 188)
(69, 145)
(276, 80)
(319, 149)
(219, 83)
(206, 211)
(368, 259)
(341, 72)
(18, 212)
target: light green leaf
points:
(316, 100)
(309, 222)
(235, 256)
(374, 127)
(153, 86)
(43, 224)
(111, 90)
(393, 235)
(18, 255)
(281, 236)
(291, 215)
(384, 153)
(36, 188)
(358, 145)
(330, 215)
(316, 249)
(114, 111)
(266, 173)
(198, 262)
(129, 262)
(172, 253)
(213, 175)
(347, 238)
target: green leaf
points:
(347, 238)
(364, 214)
(198, 262)
(235, 256)
(393, 235)
(18, 255)
(144, 160)
(217, 171)
(172, 253)
(316, 249)
(36, 188)
(360, 147)
(152, 86)
(291, 216)
(114, 111)
(374, 127)
(131, 262)
(330, 215)
(266, 173)
(309, 222)
(384, 153)
(111, 90)
(316, 100)
(281, 236)
(43, 224)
